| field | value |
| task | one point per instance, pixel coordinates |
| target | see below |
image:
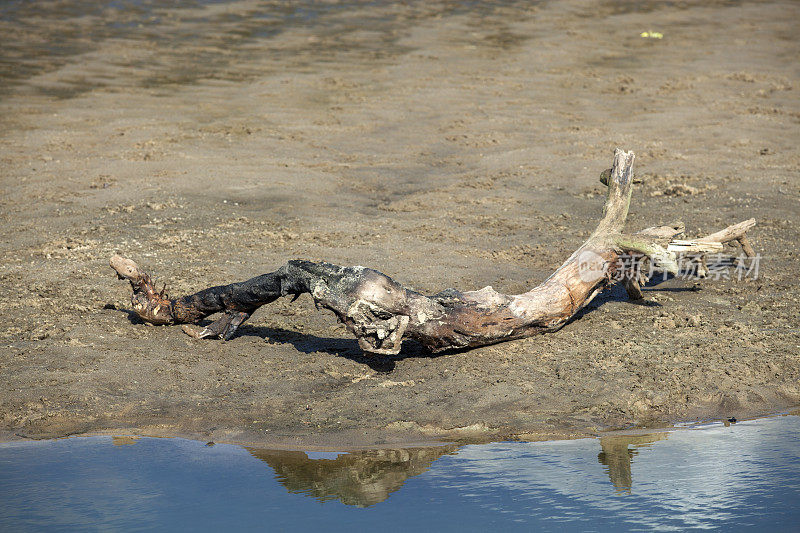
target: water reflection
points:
(744, 476)
(617, 455)
(364, 478)
(124, 440)
(361, 478)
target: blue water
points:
(740, 478)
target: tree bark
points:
(381, 313)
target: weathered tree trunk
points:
(381, 312)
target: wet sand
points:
(445, 145)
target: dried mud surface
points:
(445, 144)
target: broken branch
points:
(380, 312)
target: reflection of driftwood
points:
(618, 457)
(381, 312)
(358, 478)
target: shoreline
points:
(360, 440)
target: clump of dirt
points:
(675, 186)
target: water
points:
(742, 477)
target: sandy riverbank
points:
(445, 146)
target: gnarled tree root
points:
(381, 312)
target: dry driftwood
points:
(381, 313)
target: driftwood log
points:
(380, 312)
